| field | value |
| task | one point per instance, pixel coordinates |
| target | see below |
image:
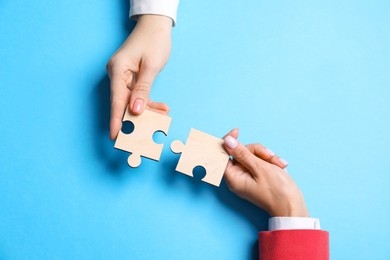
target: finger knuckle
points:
(142, 88)
(259, 146)
(240, 154)
(152, 67)
(111, 64)
(259, 166)
(114, 66)
(261, 149)
(118, 104)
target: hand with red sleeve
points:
(259, 176)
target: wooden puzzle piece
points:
(140, 141)
(204, 150)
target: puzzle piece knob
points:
(177, 146)
(134, 160)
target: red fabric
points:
(294, 245)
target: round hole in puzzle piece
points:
(199, 172)
(127, 127)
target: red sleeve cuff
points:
(294, 245)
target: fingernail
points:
(271, 153)
(283, 161)
(137, 106)
(231, 142)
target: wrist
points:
(155, 21)
(300, 211)
(290, 212)
(289, 208)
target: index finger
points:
(266, 154)
(120, 95)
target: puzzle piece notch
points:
(140, 141)
(204, 150)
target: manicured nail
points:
(137, 106)
(283, 161)
(231, 142)
(269, 152)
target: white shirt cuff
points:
(279, 223)
(159, 7)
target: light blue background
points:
(308, 79)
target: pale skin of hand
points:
(258, 175)
(134, 66)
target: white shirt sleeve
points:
(160, 7)
(278, 223)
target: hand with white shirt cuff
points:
(259, 176)
(134, 67)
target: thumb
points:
(141, 90)
(242, 154)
